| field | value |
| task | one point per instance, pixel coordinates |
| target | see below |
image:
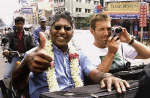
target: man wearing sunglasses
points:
(55, 65)
(41, 28)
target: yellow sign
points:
(123, 6)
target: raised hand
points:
(38, 61)
(113, 44)
(125, 36)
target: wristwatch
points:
(131, 41)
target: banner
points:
(118, 0)
(26, 10)
(124, 7)
(143, 14)
(124, 16)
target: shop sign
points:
(143, 14)
(26, 10)
(147, 0)
(124, 7)
(118, 0)
(44, 5)
(124, 16)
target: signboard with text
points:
(143, 14)
(124, 7)
(26, 10)
(118, 0)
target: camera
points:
(116, 30)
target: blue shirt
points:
(36, 35)
(38, 82)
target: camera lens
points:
(118, 30)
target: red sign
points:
(143, 14)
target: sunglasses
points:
(66, 28)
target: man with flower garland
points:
(55, 65)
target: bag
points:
(6, 90)
(93, 91)
(131, 73)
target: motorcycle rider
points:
(41, 28)
(18, 40)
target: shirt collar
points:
(56, 49)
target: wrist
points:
(131, 41)
(110, 54)
(105, 75)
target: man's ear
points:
(91, 30)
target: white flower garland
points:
(74, 65)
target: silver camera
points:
(116, 30)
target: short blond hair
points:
(98, 17)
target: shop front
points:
(126, 14)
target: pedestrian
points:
(18, 40)
(111, 48)
(56, 66)
(41, 28)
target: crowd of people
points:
(52, 64)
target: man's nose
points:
(106, 32)
(62, 30)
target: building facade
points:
(127, 14)
(80, 9)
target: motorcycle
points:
(13, 54)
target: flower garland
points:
(74, 65)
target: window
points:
(88, 1)
(95, 2)
(63, 9)
(55, 1)
(87, 11)
(78, 9)
(78, 0)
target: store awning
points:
(124, 16)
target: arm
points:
(106, 62)
(6, 47)
(35, 61)
(36, 37)
(31, 42)
(113, 45)
(142, 50)
(6, 39)
(20, 76)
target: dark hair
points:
(66, 15)
(17, 19)
(98, 17)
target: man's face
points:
(101, 33)
(43, 24)
(61, 33)
(19, 26)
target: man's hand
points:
(125, 36)
(119, 84)
(113, 44)
(6, 53)
(38, 61)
